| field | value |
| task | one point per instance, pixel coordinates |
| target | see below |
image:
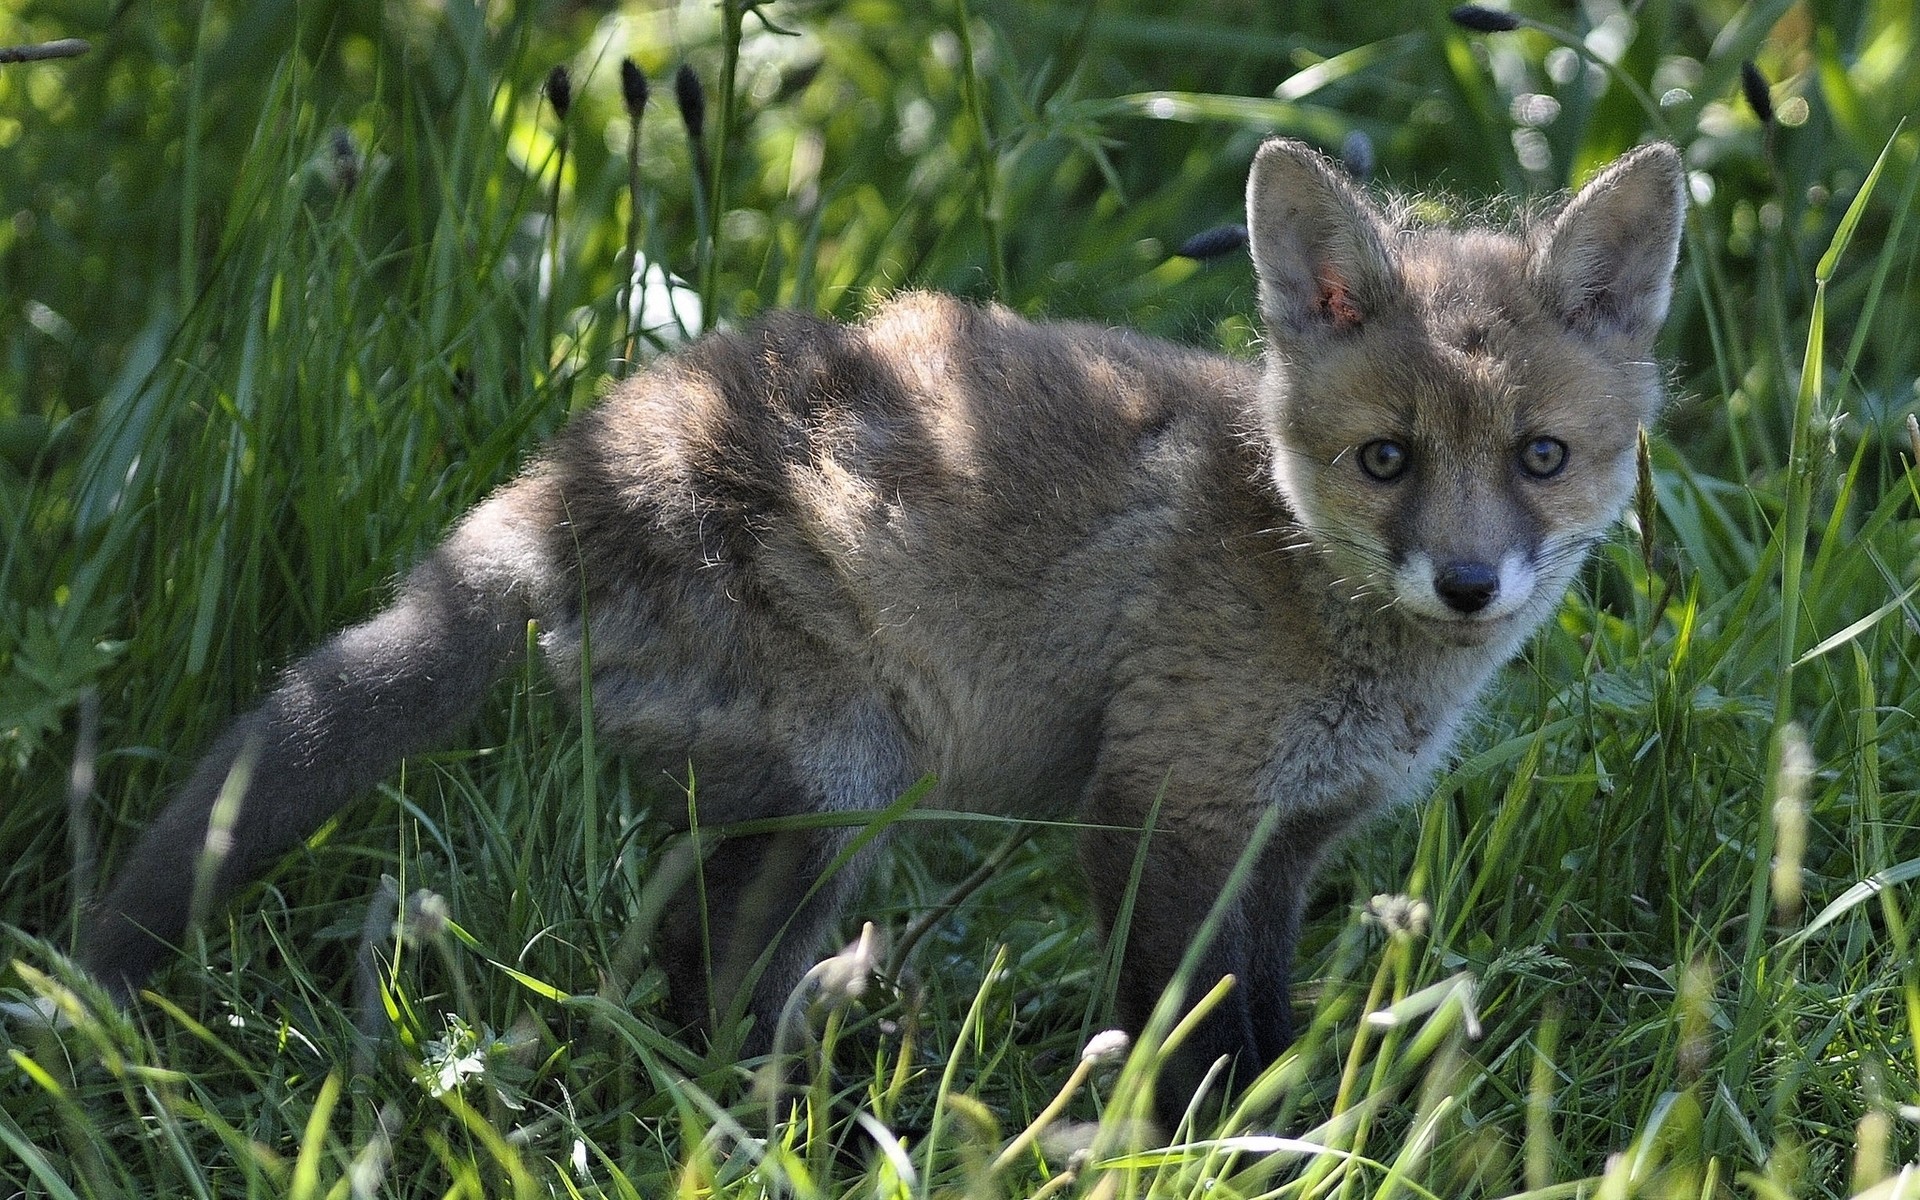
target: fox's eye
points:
(1383, 459)
(1543, 457)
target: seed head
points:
(1759, 95)
(343, 159)
(1795, 774)
(1483, 20)
(1645, 500)
(560, 90)
(1356, 155)
(693, 100)
(633, 87)
(1213, 243)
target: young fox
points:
(1062, 569)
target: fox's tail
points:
(339, 721)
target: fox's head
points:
(1453, 412)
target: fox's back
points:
(945, 507)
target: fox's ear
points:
(1605, 263)
(1318, 244)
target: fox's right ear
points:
(1318, 244)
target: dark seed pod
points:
(1356, 155)
(693, 101)
(560, 90)
(1759, 94)
(1214, 242)
(1483, 20)
(633, 87)
(796, 80)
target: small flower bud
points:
(844, 977)
(1109, 1046)
(1400, 914)
(1759, 95)
(633, 87)
(428, 914)
(693, 101)
(560, 90)
(1483, 20)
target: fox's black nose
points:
(1467, 587)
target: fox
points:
(1061, 569)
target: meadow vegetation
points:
(285, 288)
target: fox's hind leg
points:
(743, 932)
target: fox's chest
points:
(1368, 741)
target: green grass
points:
(237, 396)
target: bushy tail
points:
(339, 721)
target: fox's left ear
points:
(1606, 262)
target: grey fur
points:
(1062, 568)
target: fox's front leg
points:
(1275, 897)
(1186, 871)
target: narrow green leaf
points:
(1830, 261)
(1850, 899)
(1858, 627)
(313, 1142)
